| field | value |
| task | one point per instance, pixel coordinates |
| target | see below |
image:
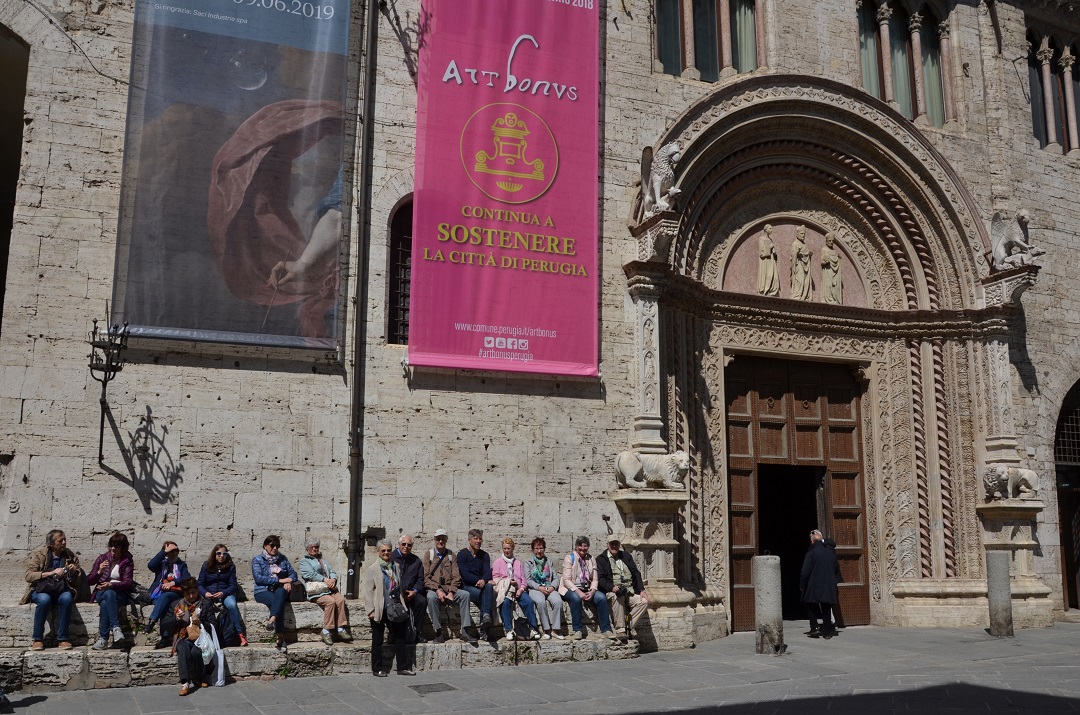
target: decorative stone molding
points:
(649, 520)
(1004, 288)
(1010, 525)
(655, 235)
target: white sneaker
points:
(117, 635)
(537, 635)
(546, 637)
(510, 635)
(557, 635)
(99, 644)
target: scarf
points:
(388, 575)
(585, 578)
(540, 570)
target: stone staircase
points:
(137, 662)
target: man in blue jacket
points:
(474, 564)
(412, 584)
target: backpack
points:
(219, 617)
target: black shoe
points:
(440, 637)
(150, 626)
(406, 672)
(470, 639)
(164, 642)
(827, 636)
(381, 674)
(813, 634)
(485, 620)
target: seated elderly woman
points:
(320, 583)
(169, 570)
(112, 577)
(52, 573)
(543, 577)
(274, 577)
(510, 585)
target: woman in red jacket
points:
(112, 577)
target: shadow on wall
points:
(955, 698)
(149, 466)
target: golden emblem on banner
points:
(509, 153)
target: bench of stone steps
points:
(303, 623)
(84, 668)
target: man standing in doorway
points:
(817, 584)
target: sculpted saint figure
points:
(802, 284)
(768, 280)
(832, 287)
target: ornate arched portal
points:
(810, 222)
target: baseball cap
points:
(440, 532)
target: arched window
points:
(931, 69)
(15, 61)
(903, 78)
(1038, 102)
(669, 46)
(869, 52)
(725, 38)
(399, 274)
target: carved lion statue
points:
(658, 190)
(660, 471)
(1003, 482)
(1011, 249)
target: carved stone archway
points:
(929, 339)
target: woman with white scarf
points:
(507, 568)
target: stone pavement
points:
(863, 670)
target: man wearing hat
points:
(443, 583)
(618, 577)
(412, 584)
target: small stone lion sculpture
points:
(659, 471)
(658, 189)
(1003, 482)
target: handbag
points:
(140, 595)
(395, 610)
(314, 589)
(52, 585)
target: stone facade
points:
(959, 371)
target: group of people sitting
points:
(397, 590)
(611, 583)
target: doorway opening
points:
(15, 61)
(790, 508)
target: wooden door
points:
(803, 414)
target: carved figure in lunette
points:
(1010, 242)
(658, 190)
(802, 284)
(832, 286)
(768, 280)
(1004, 482)
(659, 471)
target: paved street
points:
(864, 670)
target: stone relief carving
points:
(1003, 481)
(1010, 242)
(655, 471)
(768, 281)
(658, 190)
(832, 282)
(802, 283)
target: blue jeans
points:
(275, 600)
(44, 603)
(483, 598)
(161, 606)
(109, 604)
(230, 604)
(598, 599)
(507, 610)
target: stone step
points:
(85, 668)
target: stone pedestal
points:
(1009, 525)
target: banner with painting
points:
(504, 257)
(231, 210)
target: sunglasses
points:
(221, 553)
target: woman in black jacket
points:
(217, 583)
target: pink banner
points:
(504, 260)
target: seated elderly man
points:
(443, 583)
(412, 584)
(475, 566)
(618, 577)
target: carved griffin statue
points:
(658, 189)
(1004, 482)
(659, 471)
(1011, 248)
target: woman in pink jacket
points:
(507, 567)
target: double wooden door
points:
(789, 420)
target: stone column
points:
(884, 12)
(648, 422)
(999, 594)
(946, 72)
(1009, 528)
(727, 66)
(1045, 55)
(915, 30)
(768, 605)
(759, 32)
(1066, 62)
(690, 70)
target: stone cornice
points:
(692, 297)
